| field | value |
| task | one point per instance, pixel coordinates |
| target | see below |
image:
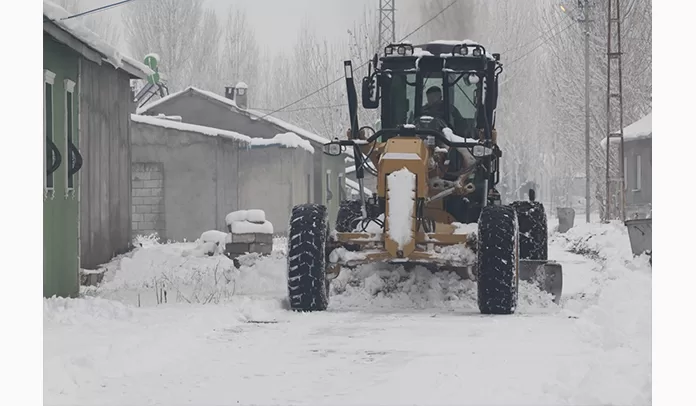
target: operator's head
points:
(433, 94)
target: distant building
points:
(230, 112)
(87, 103)
(187, 178)
(638, 167)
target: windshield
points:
(460, 116)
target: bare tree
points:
(179, 31)
(240, 55)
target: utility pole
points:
(585, 4)
(387, 23)
(615, 184)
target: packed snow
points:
(401, 195)
(287, 140)
(223, 335)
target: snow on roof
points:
(355, 186)
(75, 27)
(288, 140)
(255, 114)
(241, 85)
(640, 129)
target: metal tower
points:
(616, 182)
(387, 22)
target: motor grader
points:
(436, 159)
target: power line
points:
(526, 54)
(361, 65)
(95, 10)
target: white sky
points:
(279, 20)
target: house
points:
(638, 167)
(230, 112)
(87, 102)
(187, 177)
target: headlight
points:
(430, 141)
(480, 151)
(401, 50)
(477, 52)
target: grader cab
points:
(436, 159)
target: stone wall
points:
(148, 198)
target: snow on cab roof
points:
(77, 29)
(255, 115)
(288, 140)
(640, 129)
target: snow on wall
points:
(253, 113)
(288, 140)
(401, 195)
(76, 27)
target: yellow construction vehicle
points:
(436, 159)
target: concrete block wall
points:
(148, 198)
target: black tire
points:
(534, 237)
(498, 253)
(349, 216)
(307, 283)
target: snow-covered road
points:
(422, 343)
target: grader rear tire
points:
(534, 237)
(498, 260)
(308, 288)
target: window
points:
(329, 193)
(69, 134)
(341, 188)
(639, 181)
(625, 172)
(49, 78)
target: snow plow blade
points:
(547, 275)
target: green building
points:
(87, 101)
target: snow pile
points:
(143, 276)
(59, 310)
(76, 27)
(384, 286)
(596, 241)
(248, 222)
(210, 242)
(401, 199)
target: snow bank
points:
(144, 274)
(76, 27)
(59, 310)
(613, 315)
(596, 240)
(401, 199)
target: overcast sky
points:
(279, 20)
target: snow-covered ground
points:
(224, 335)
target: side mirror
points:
(370, 92)
(333, 149)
